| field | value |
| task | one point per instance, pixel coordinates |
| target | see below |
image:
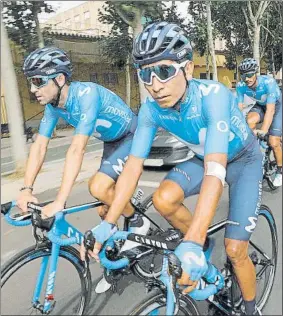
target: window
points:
(86, 15)
(262, 73)
(94, 77)
(110, 78)
(77, 18)
(202, 75)
(235, 76)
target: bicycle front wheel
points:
(155, 304)
(19, 275)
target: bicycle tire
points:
(264, 296)
(67, 252)
(270, 165)
(157, 299)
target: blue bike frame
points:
(60, 228)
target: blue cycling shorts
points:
(276, 125)
(244, 176)
(115, 154)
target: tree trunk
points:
(38, 30)
(210, 41)
(128, 82)
(207, 67)
(12, 100)
(273, 64)
(137, 28)
(256, 40)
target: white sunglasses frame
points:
(175, 65)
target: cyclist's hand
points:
(192, 258)
(51, 209)
(101, 233)
(24, 198)
(187, 283)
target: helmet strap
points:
(176, 105)
(55, 103)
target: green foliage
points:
(230, 23)
(20, 19)
(118, 45)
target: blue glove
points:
(192, 258)
(103, 231)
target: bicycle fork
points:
(49, 302)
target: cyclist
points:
(204, 115)
(94, 111)
(267, 110)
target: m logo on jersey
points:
(119, 168)
(191, 257)
(84, 91)
(207, 89)
(250, 228)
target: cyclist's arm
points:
(133, 168)
(39, 147)
(240, 98)
(90, 105)
(210, 193)
(35, 160)
(270, 106)
(217, 113)
(72, 167)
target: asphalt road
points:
(18, 291)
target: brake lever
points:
(89, 242)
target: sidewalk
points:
(67, 132)
(50, 175)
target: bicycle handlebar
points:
(6, 208)
(213, 276)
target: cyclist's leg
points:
(275, 133)
(244, 177)
(182, 181)
(102, 184)
(255, 116)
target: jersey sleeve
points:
(90, 104)
(48, 121)
(271, 86)
(240, 94)
(144, 134)
(217, 111)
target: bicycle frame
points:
(60, 227)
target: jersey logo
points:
(191, 257)
(119, 168)
(103, 123)
(212, 87)
(251, 227)
(85, 91)
(222, 126)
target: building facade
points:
(82, 20)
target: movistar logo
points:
(191, 257)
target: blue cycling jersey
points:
(266, 91)
(92, 110)
(209, 121)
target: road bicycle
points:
(148, 264)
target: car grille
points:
(160, 152)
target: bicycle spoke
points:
(260, 250)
